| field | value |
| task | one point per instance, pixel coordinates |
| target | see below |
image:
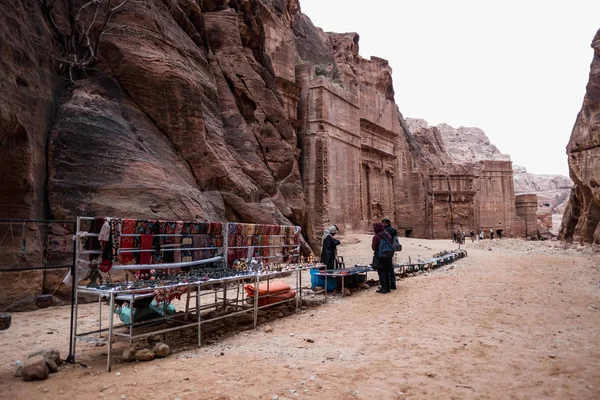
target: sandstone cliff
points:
(467, 146)
(154, 109)
(237, 110)
(581, 221)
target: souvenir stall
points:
(271, 252)
(153, 262)
(140, 266)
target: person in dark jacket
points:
(385, 264)
(329, 247)
(392, 232)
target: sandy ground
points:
(514, 320)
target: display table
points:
(343, 273)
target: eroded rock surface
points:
(581, 221)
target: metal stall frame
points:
(130, 294)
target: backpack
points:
(385, 249)
(396, 244)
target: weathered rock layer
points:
(581, 221)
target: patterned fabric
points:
(127, 242)
(115, 231)
(168, 228)
(186, 243)
(145, 244)
(168, 295)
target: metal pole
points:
(71, 357)
(99, 314)
(256, 301)
(110, 330)
(198, 314)
(35, 268)
(75, 283)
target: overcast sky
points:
(516, 69)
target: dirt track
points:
(520, 321)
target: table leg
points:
(256, 302)
(198, 314)
(110, 331)
(99, 315)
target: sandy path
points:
(521, 321)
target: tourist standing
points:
(393, 233)
(384, 265)
(472, 236)
(481, 235)
(491, 234)
(329, 247)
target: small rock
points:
(123, 396)
(48, 354)
(155, 338)
(347, 292)
(268, 329)
(118, 374)
(280, 315)
(45, 390)
(129, 354)
(161, 350)
(551, 356)
(19, 370)
(310, 340)
(275, 397)
(52, 367)
(144, 355)
(104, 388)
(35, 368)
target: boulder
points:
(161, 350)
(144, 355)
(51, 356)
(129, 354)
(35, 368)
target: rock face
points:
(465, 191)
(183, 115)
(447, 148)
(552, 192)
(466, 145)
(581, 221)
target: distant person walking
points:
(491, 234)
(472, 236)
(481, 235)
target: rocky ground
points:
(515, 320)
